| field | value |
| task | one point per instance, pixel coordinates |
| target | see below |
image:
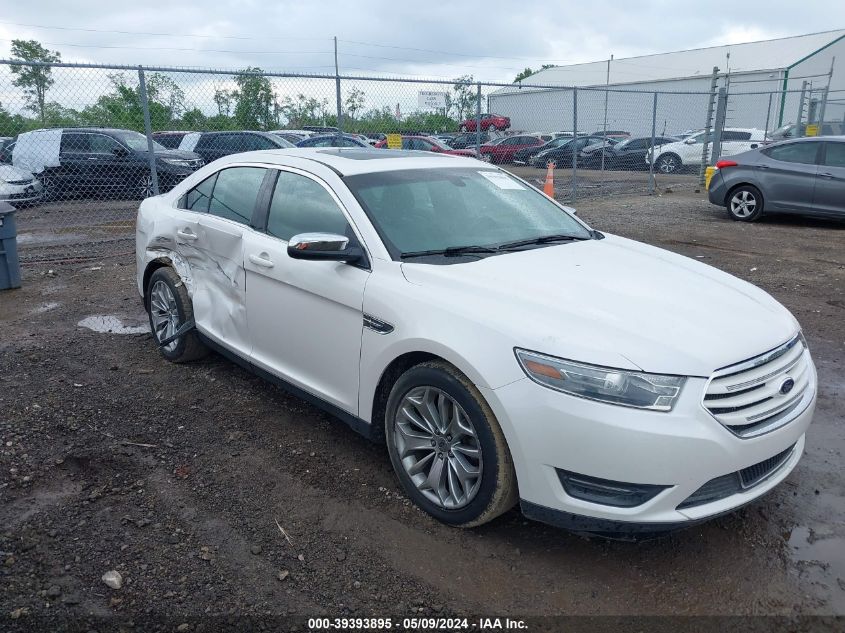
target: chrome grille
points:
(763, 393)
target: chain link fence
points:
(80, 145)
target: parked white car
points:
(504, 350)
(673, 157)
(19, 186)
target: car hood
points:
(9, 172)
(175, 153)
(614, 302)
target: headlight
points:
(177, 162)
(604, 384)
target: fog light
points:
(619, 494)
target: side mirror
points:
(120, 152)
(754, 146)
(689, 141)
(325, 247)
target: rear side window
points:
(302, 205)
(835, 155)
(197, 198)
(235, 193)
(804, 153)
(74, 142)
(729, 135)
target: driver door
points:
(305, 317)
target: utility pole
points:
(337, 90)
(604, 129)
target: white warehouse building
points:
(773, 69)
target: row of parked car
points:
(56, 163)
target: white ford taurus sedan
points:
(502, 349)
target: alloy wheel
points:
(438, 447)
(145, 186)
(165, 313)
(667, 164)
(743, 203)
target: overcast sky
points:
(489, 39)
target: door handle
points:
(262, 260)
(186, 234)
(762, 166)
(826, 175)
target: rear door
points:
(305, 317)
(787, 175)
(830, 181)
(74, 171)
(218, 267)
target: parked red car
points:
(488, 122)
(502, 151)
(428, 144)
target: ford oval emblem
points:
(787, 385)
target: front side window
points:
(137, 141)
(795, 152)
(835, 155)
(302, 205)
(102, 144)
(235, 193)
(434, 209)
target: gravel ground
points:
(212, 493)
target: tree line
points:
(252, 104)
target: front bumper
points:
(549, 432)
(29, 192)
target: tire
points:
(669, 164)
(50, 189)
(177, 304)
(744, 203)
(489, 486)
(143, 186)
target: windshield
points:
(430, 209)
(138, 142)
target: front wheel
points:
(447, 447)
(668, 164)
(745, 203)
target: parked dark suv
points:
(104, 161)
(214, 145)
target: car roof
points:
(350, 161)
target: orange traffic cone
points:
(549, 185)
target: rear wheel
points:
(745, 203)
(447, 447)
(169, 307)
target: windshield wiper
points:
(452, 251)
(543, 239)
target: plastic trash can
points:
(10, 266)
